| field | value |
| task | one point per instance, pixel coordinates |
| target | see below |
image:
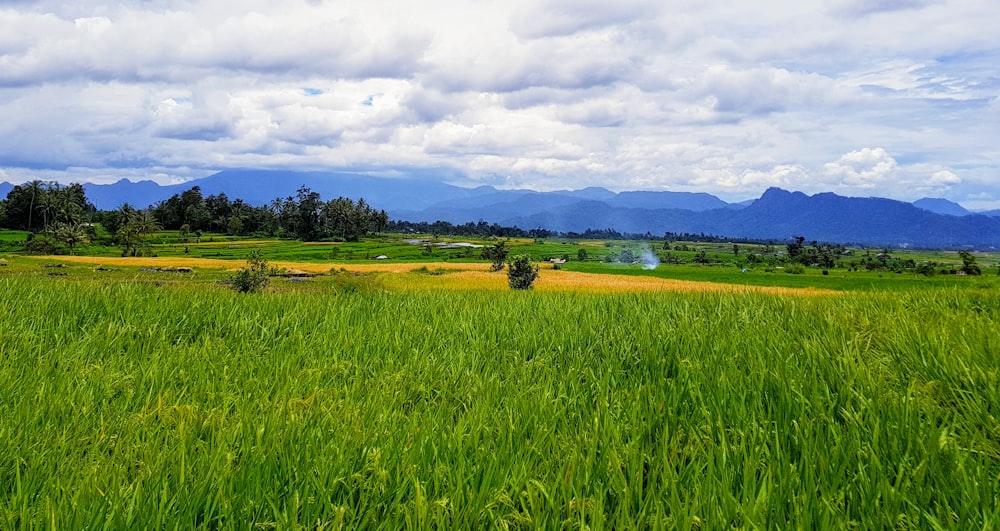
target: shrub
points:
(926, 269)
(497, 254)
(795, 269)
(41, 245)
(253, 277)
(521, 272)
(969, 265)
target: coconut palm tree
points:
(35, 187)
(70, 234)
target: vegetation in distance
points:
(857, 269)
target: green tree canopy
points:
(521, 272)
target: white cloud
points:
(729, 182)
(206, 116)
(728, 97)
(944, 177)
(758, 90)
(141, 45)
(551, 18)
(864, 168)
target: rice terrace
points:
(419, 391)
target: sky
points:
(889, 98)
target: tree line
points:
(55, 214)
(36, 205)
(60, 213)
(303, 216)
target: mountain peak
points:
(938, 205)
(775, 194)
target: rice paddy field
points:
(421, 396)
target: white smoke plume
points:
(648, 259)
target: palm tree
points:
(141, 223)
(36, 190)
(69, 233)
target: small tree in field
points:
(521, 272)
(969, 264)
(253, 277)
(497, 254)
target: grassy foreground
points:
(131, 405)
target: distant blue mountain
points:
(777, 214)
(491, 206)
(941, 206)
(594, 193)
(137, 194)
(259, 187)
(698, 202)
(870, 220)
(5, 189)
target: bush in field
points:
(521, 272)
(969, 265)
(795, 269)
(253, 277)
(926, 269)
(497, 254)
(41, 244)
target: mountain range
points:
(777, 214)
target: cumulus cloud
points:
(141, 45)
(207, 117)
(944, 177)
(863, 168)
(759, 90)
(575, 62)
(728, 97)
(551, 18)
(730, 181)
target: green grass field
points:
(12, 235)
(168, 401)
(837, 279)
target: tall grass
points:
(135, 406)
